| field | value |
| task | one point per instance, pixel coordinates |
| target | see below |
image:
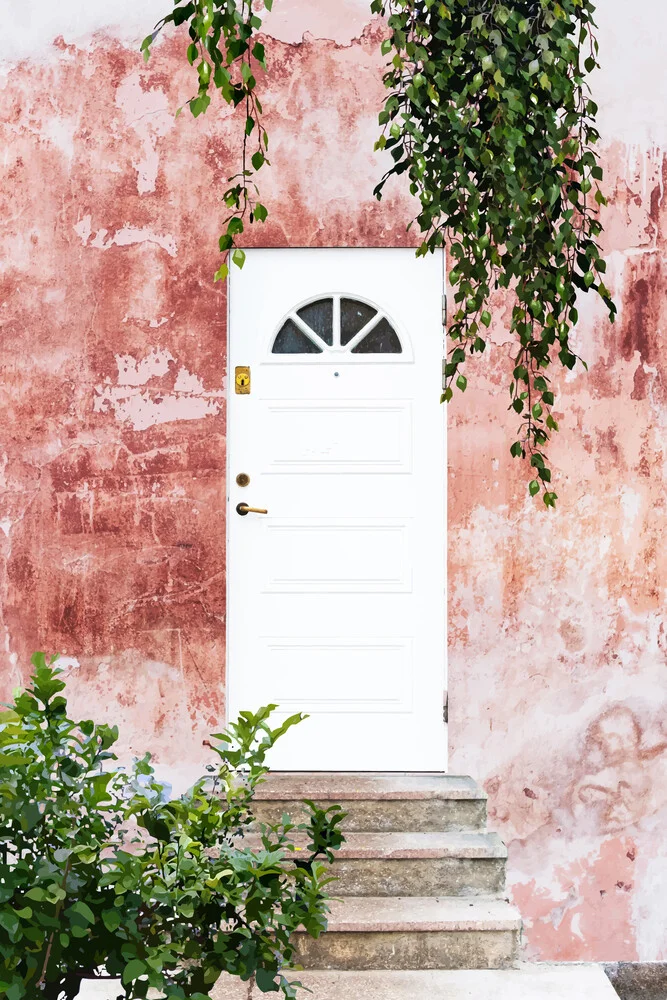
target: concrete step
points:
(377, 801)
(526, 982)
(414, 933)
(417, 864)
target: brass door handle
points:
(243, 509)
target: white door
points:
(336, 596)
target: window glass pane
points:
(382, 339)
(353, 315)
(319, 317)
(290, 340)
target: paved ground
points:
(639, 980)
(528, 982)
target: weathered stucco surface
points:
(112, 449)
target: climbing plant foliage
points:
(225, 53)
(489, 115)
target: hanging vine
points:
(490, 115)
(225, 53)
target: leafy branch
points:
(225, 54)
(101, 870)
(490, 115)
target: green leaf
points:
(133, 970)
(222, 273)
(82, 910)
(199, 104)
(10, 922)
(238, 257)
(13, 759)
(204, 73)
(111, 919)
(486, 317)
(462, 383)
(257, 159)
(266, 981)
(533, 487)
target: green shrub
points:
(102, 873)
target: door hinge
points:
(445, 709)
(444, 310)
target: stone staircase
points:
(422, 913)
(420, 879)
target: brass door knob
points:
(243, 509)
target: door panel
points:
(336, 597)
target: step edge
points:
(266, 795)
(422, 854)
(484, 846)
(426, 927)
(472, 792)
(269, 795)
(420, 982)
(509, 919)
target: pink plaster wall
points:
(112, 448)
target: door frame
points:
(442, 530)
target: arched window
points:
(337, 325)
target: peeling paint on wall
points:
(112, 457)
(155, 390)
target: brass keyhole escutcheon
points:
(243, 479)
(242, 380)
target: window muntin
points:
(337, 324)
